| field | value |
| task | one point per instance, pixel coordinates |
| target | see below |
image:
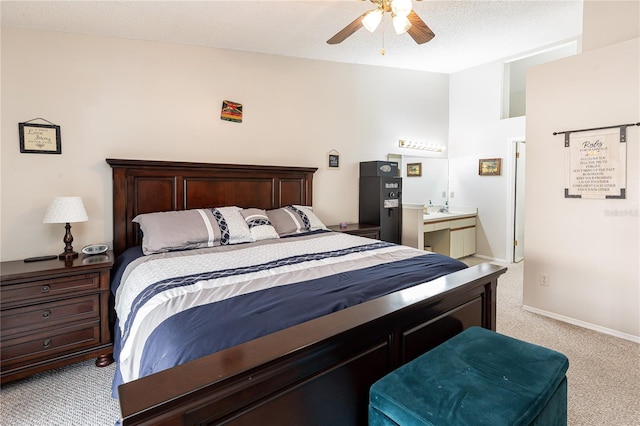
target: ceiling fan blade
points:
(419, 31)
(347, 31)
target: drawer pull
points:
(46, 343)
(46, 314)
(45, 289)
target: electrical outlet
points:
(544, 279)
(444, 194)
(452, 194)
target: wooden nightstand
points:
(54, 314)
(360, 229)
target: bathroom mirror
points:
(432, 184)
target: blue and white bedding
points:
(178, 306)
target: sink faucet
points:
(445, 208)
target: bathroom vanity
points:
(451, 233)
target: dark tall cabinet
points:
(381, 198)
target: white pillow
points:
(259, 224)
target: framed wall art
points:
(414, 169)
(231, 111)
(596, 163)
(489, 167)
(40, 138)
(333, 160)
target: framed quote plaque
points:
(40, 138)
(596, 164)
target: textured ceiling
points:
(468, 33)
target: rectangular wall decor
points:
(596, 164)
(414, 169)
(333, 160)
(40, 138)
(489, 167)
(231, 111)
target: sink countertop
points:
(449, 215)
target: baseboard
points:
(599, 329)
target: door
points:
(518, 214)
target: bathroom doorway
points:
(518, 202)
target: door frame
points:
(511, 189)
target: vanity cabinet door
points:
(462, 238)
(469, 243)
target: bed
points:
(318, 368)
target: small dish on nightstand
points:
(93, 259)
(95, 249)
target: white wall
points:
(607, 22)
(119, 98)
(476, 131)
(589, 248)
(515, 77)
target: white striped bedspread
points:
(179, 306)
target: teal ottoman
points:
(478, 377)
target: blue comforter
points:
(176, 307)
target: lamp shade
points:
(66, 210)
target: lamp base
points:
(68, 255)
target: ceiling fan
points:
(403, 17)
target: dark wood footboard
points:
(318, 372)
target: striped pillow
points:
(259, 224)
(191, 229)
(294, 220)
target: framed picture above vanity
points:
(414, 169)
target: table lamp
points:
(66, 210)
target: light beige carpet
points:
(604, 371)
(604, 374)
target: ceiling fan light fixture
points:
(401, 7)
(372, 19)
(401, 24)
(403, 17)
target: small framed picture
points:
(489, 167)
(231, 111)
(333, 160)
(40, 138)
(414, 169)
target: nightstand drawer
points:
(35, 317)
(361, 230)
(33, 290)
(373, 235)
(55, 341)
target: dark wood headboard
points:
(152, 186)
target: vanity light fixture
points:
(421, 145)
(66, 210)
